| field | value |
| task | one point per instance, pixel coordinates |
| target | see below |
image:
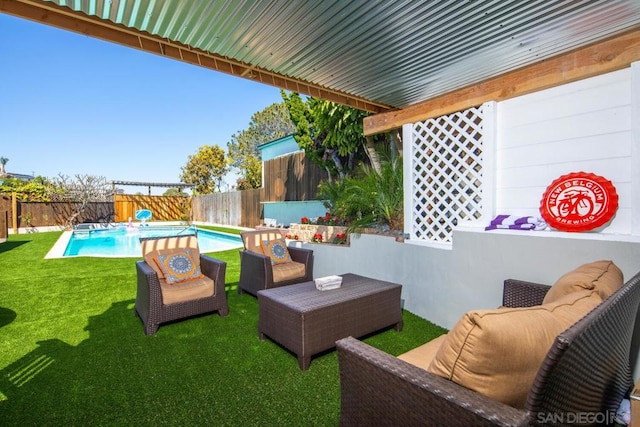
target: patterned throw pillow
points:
(178, 266)
(276, 250)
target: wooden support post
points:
(14, 209)
(4, 217)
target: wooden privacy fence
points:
(251, 213)
(42, 214)
(240, 208)
(163, 208)
(218, 208)
(287, 178)
(291, 178)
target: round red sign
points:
(579, 201)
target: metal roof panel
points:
(391, 52)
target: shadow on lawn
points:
(53, 383)
(118, 373)
(7, 316)
(7, 246)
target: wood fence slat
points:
(4, 225)
(291, 178)
(163, 208)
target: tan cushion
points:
(498, 352)
(178, 266)
(276, 250)
(186, 291)
(154, 247)
(603, 276)
(253, 239)
(423, 355)
(287, 271)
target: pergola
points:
(180, 185)
(404, 61)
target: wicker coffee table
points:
(307, 321)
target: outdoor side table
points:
(307, 321)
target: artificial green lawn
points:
(73, 353)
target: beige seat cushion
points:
(498, 352)
(603, 276)
(288, 271)
(187, 291)
(153, 247)
(423, 355)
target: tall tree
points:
(331, 134)
(206, 169)
(174, 192)
(3, 162)
(252, 177)
(267, 125)
(82, 190)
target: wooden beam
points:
(599, 58)
(63, 17)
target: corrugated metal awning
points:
(378, 55)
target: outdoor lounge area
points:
(503, 290)
(71, 327)
(74, 351)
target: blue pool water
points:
(124, 242)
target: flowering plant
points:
(304, 220)
(327, 219)
(294, 237)
(340, 239)
(317, 238)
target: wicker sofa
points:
(584, 374)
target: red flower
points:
(288, 236)
(304, 220)
(340, 239)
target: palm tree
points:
(3, 161)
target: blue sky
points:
(71, 104)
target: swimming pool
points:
(125, 242)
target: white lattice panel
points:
(446, 175)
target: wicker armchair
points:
(586, 373)
(256, 271)
(158, 302)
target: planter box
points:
(306, 231)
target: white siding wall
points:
(582, 126)
(585, 126)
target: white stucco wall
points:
(441, 285)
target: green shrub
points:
(372, 198)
